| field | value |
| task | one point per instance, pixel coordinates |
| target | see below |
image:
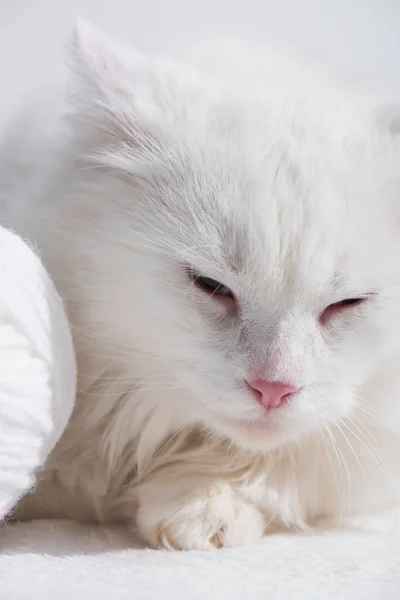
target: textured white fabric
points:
(69, 561)
(37, 368)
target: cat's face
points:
(259, 251)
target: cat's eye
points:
(348, 302)
(210, 286)
(340, 306)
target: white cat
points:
(227, 248)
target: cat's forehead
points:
(269, 216)
(272, 205)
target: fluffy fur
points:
(284, 188)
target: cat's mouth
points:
(300, 416)
(260, 433)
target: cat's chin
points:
(260, 435)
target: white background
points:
(359, 37)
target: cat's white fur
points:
(286, 191)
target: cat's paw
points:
(210, 516)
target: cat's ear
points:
(100, 61)
(121, 95)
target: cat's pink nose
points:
(272, 393)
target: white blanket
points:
(72, 562)
(37, 368)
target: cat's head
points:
(249, 241)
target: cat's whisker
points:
(91, 335)
(121, 385)
(137, 350)
(158, 359)
(342, 462)
(373, 448)
(128, 360)
(136, 391)
(378, 416)
(166, 444)
(326, 445)
(289, 452)
(125, 378)
(362, 402)
(367, 481)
